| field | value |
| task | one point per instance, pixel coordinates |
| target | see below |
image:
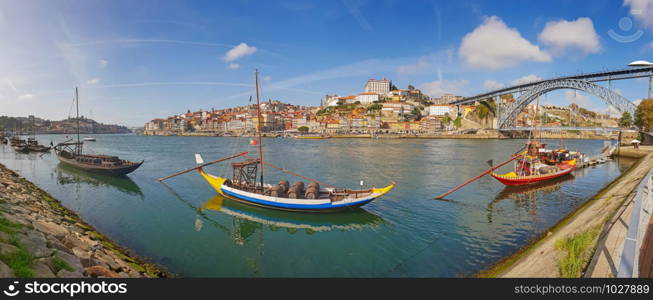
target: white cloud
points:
(239, 51)
(93, 81)
(641, 10)
(637, 102)
(102, 63)
(26, 97)
(578, 35)
(526, 79)
(431, 63)
(422, 64)
(267, 78)
(439, 87)
(492, 85)
(493, 45)
(233, 66)
(578, 98)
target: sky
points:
(138, 60)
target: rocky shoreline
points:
(40, 238)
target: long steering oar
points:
(204, 165)
(477, 177)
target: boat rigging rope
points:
(293, 173)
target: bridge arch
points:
(509, 113)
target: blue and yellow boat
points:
(247, 185)
(283, 196)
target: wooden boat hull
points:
(311, 137)
(39, 148)
(21, 149)
(288, 204)
(124, 170)
(523, 180)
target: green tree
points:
(303, 129)
(644, 115)
(458, 122)
(446, 119)
(626, 120)
(411, 87)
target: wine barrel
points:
(296, 190)
(285, 185)
(312, 191)
(278, 191)
(313, 183)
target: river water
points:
(184, 226)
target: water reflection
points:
(525, 196)
(356, 219)
(70, 175)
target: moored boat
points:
(34, 146)
(534, 165)
(70, 153)
(312, 199)
(21, 148)
(312, 136)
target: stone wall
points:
(41, 238)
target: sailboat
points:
(70, 153)
(247, 185)
(537, 163)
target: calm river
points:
(184, 226)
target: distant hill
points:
(23, 125)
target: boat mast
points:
(260, 141)
(79, 150)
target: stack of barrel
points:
(296, 190)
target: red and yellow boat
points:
(537, 164)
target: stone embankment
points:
(41, 238)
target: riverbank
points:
(41, 238)
(461, 134)
(565, 250)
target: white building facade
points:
(381, 87)
(440, 110)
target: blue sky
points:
(137, 60)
